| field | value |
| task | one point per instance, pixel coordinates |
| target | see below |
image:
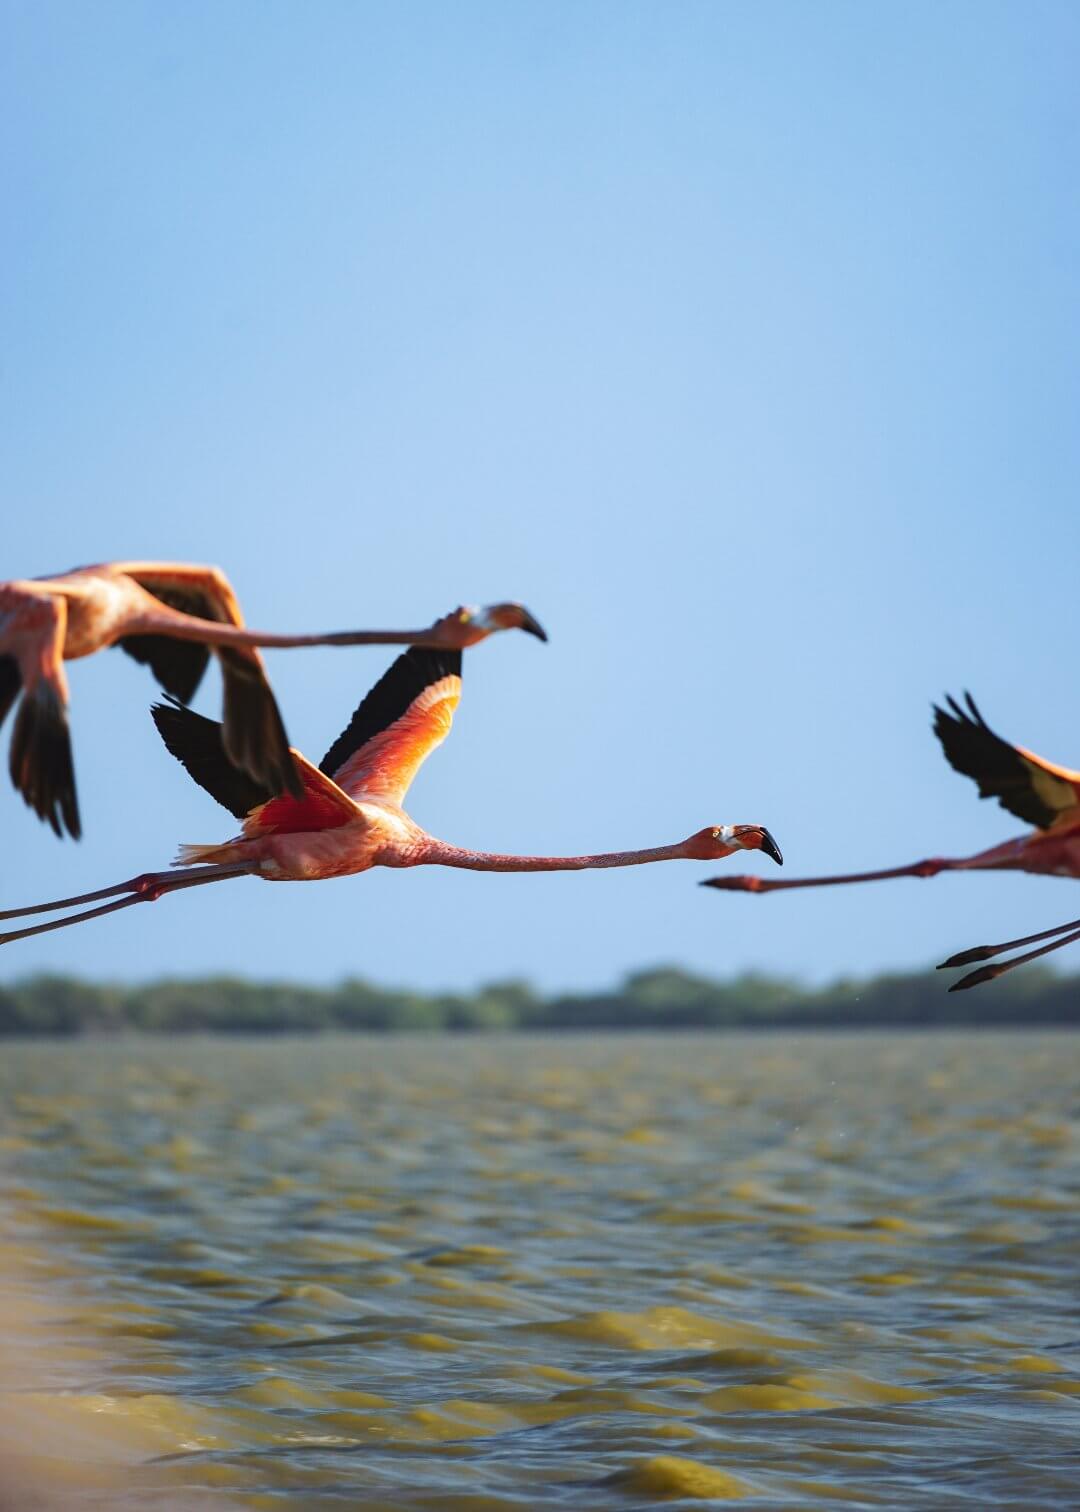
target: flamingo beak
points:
(770, 847)
(532, 625)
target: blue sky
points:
(738, 340)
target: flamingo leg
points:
(744, 883)
(90, 913)
(143, 889)
(988, 973)
(985, 952)
(145, 879)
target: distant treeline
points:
(661, 998)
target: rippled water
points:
(603, 1273)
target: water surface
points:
(511, 1273)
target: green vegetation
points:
(661, 998)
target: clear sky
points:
(739, 341)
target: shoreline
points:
(664, 999)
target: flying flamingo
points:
(170, 616)
(1038, 791)
(350, 817)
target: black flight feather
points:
(177, 665)
(389, 699)
(10, 683)
(972, 748)
(40, 761)
(197, 744)
(254, 734)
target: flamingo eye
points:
(716, 834)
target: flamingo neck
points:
(438, 853)
(212, 633)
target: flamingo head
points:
(467, 626)
(720, 840)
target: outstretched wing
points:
(254, 732)
(405, 716)
(198, 744)
(1034, 790)
(204, 592)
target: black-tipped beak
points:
(770, 847)
(532, 625)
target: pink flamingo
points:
(1038, 791)
(169, 615)
(350, 817)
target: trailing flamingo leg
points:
(743, 883)
(146, 888)
(985, 952)
(968, 957)
(988, 973)
(144, 882)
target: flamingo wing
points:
(201, 592)
(10, 684)
(198, 744)
(1035, 790)
(32, 631)
(254, 731)
(405, 716)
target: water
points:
(584, 1273)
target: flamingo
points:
(350, 817)
(1038, 791)
(170, 616)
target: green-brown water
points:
(486, 1274)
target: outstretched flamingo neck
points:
(439, 853)
(178, 626)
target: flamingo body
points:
(348, 816)
(172, 617)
